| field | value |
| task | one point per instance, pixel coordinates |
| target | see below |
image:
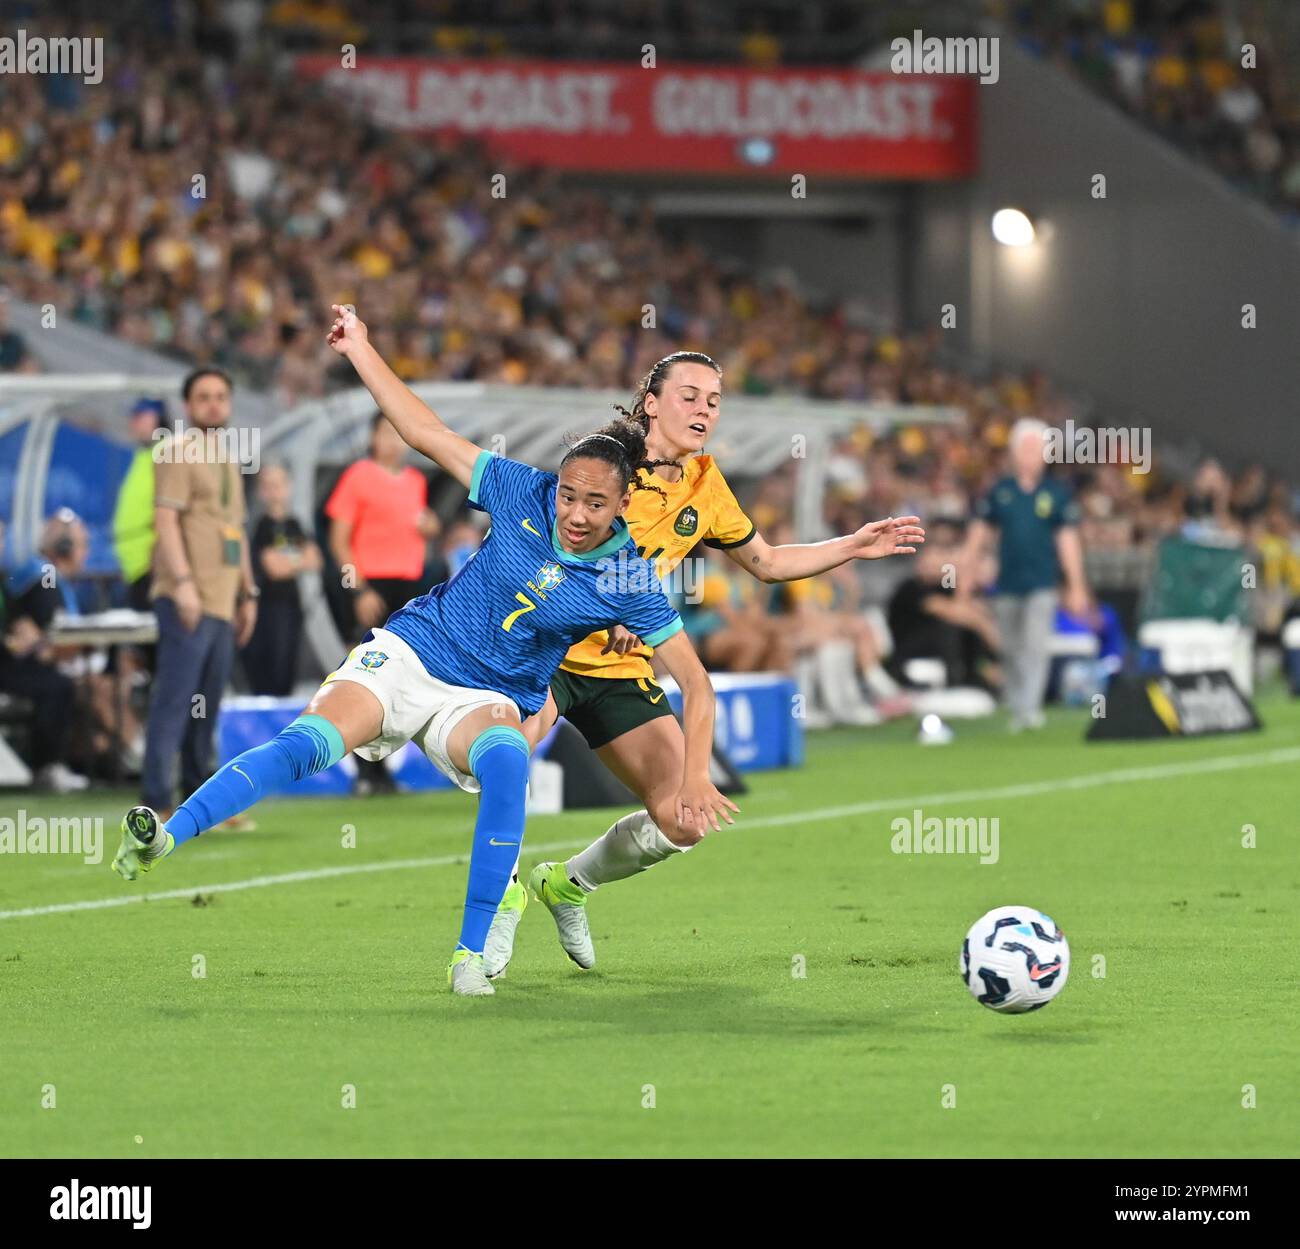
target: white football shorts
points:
(417, 706)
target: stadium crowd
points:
(1179, 67)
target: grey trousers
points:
(1025, 622)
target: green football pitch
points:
(321, 1023)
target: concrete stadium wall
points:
(1136, 299)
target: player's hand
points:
(371, 608)
(245, 621)
(699, 803)
(1078, 602)
(348, 330)
(620, 641)
(897, 535)
(189, 607)
(310, 558)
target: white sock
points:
(629, 846)
(880, 683)
(837, 682)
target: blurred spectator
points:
(934, 614)
(1038, 543)
(133, 529)
(1275, 545)
(281, 551)
(204, 594)
(462, 538)
(1208, 507)
(380, 524)
(823, 625)
(104, 722)
(14, 356)
(28, 670)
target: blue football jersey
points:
(508, 617)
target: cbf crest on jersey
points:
(374, 659)
(548, 577)
(687, 522)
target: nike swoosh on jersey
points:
(236, 768)
(528, 524)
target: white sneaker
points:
(61, 779)
(1028, 723)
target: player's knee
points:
(498, 759)
(684, 838)
(664, 814)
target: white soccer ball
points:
(1014, 959)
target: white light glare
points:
(1012, 228)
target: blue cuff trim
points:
(323, 728)
(660, 636)
(476, 477)
(497, 735)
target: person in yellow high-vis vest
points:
(133, 529)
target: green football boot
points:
(567, 904)
(500, 942)
(466, 976)
(144, 842)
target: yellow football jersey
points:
(699, 507)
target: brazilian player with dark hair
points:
(459, 669)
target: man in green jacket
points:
(133, 531)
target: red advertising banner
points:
(596, 116)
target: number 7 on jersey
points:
(528, 605)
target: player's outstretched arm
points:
(417, 423)
(699, 802)
(897, 535)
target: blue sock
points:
(307, 746)
(498, 760)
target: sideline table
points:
(105, 630)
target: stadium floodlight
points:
(1013, 228)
